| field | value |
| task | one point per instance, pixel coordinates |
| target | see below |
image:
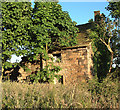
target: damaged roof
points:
(82, 37)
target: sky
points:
(79, 12)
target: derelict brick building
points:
(76, 61)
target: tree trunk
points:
(41, 63)
(47, 53)
(111, 62)
(2, 73)
(111, 52)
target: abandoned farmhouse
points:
(76, 61)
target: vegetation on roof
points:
(82, 36)
(84, 27)
(83, 39)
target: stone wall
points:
(76, 64)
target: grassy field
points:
(84, 95)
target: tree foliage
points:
(103, 31)
(16, 21)
(53, 25)
(52, 29)
(35, 32)
(114, 8)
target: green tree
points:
(52, 29)
(32, 34)
(114, 8)
(103, 32)
(101, 59)
(55, 24)
(16, 21)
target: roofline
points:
(82, 24)
(72, 47)
(77, 46)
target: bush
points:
(105, 94)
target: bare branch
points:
(103, 41)
(109, 40)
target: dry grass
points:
(92, 95)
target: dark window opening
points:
(60, 80)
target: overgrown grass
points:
(85, 95)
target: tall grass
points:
(83, 95)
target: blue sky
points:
(79, 12)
